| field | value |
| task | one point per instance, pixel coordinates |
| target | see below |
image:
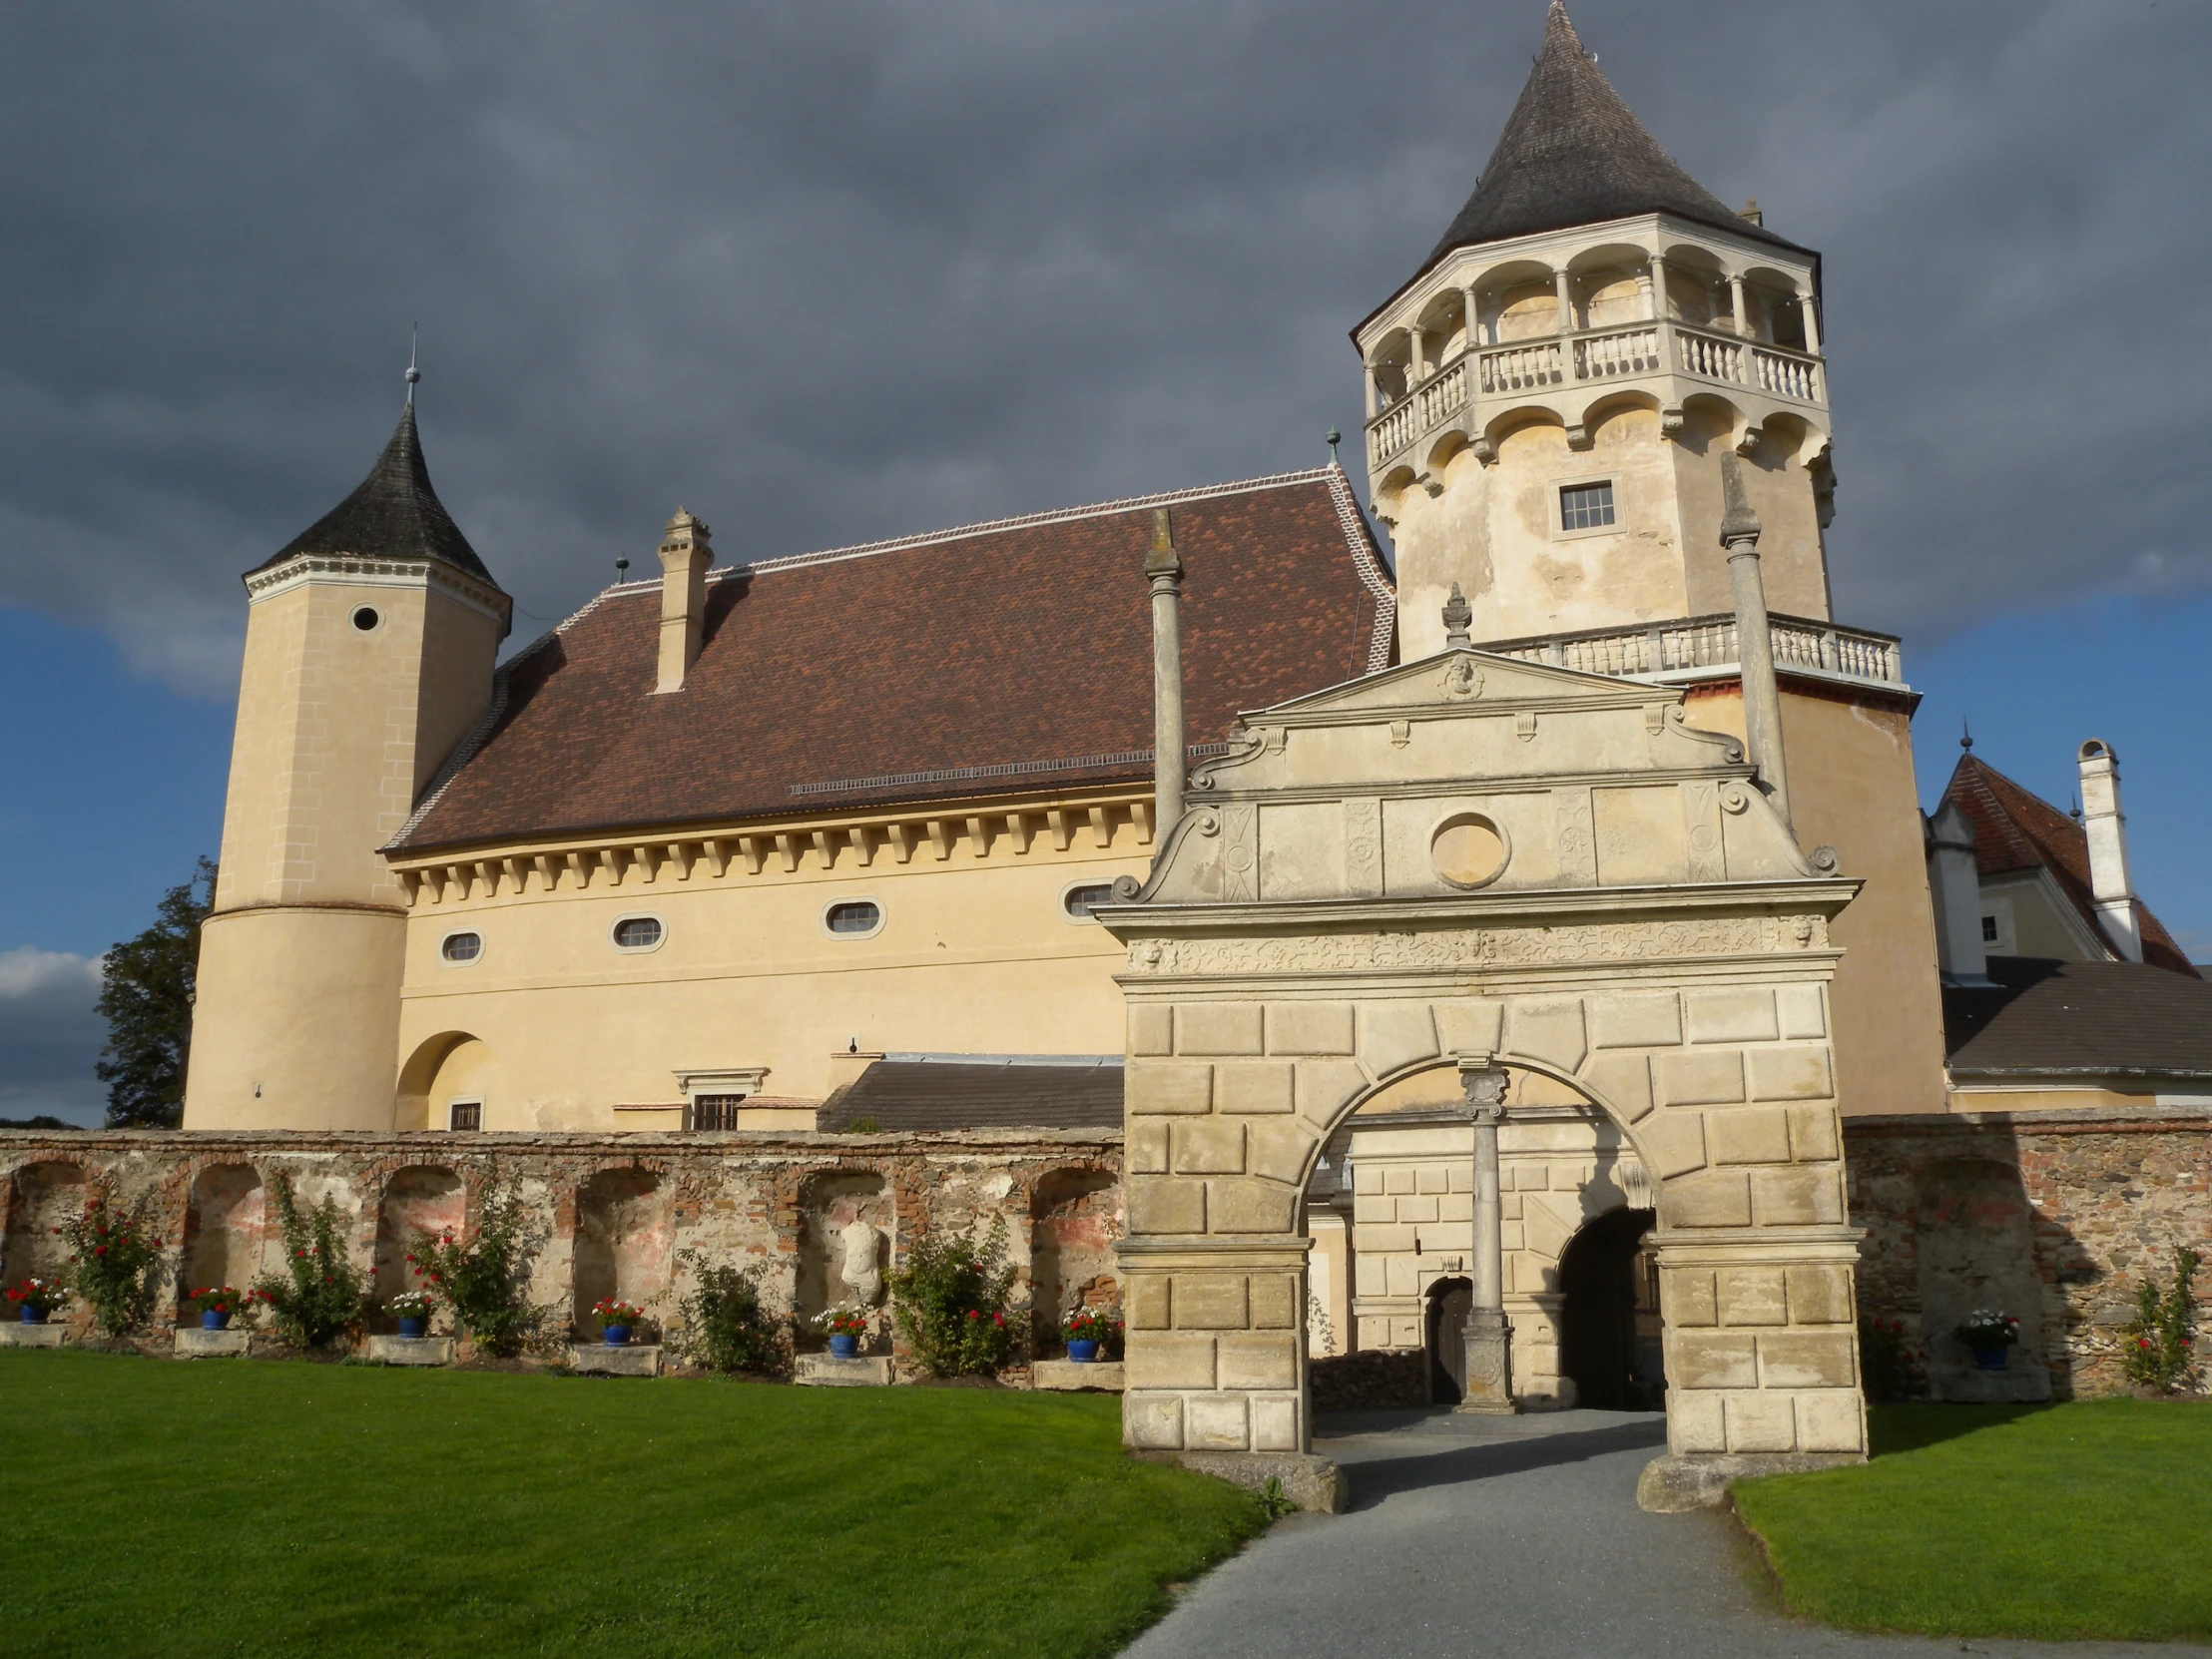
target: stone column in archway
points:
(1489, 1352)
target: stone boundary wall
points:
(609, 1211)
(2061, 1215)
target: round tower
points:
(370, 641)
(1549, 395)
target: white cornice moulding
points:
(356, 571)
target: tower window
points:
(1587, 506)
(715, 1111)
(1078, 899)
(855, 917)
(366, 618)
(639, 933)
(1989, 930)
(462, 948)
(465, 1114)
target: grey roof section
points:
(2086, 1018)
(981, 1092)
(395, 514)
(1573, 153)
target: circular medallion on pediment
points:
(1468, 851)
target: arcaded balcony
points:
(1698, 647)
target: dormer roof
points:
(395, 514)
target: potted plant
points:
(1086, 1331)
(38, 1298)
(1990, 1335)
(219, 1304)
(412, 1309)
(845, 1324)
(618, 1318)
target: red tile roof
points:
(970, 661)
(2016, 830)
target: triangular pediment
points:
(1460, 679)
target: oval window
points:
(855, 915)
(366, 618)
(637, 932)
(463, 947)
(1468, 851)
(1078, 899)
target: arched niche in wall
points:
(41, 1197)
(1075, 1217)
(837, 1262)
(424, 1199)
(622, 1242)
(226, 1227)
(1978, 1251)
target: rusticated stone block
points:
(1552, 1032)
(1752, 1296)
(1761, 1422)
(1831, 1422)
(1797, 1197)
(1273, 1299)
(1151, 1028)
(1807, 1359)
(1674, 1142)
(1713, 1198)
(1696, 1422)
(1689, 1298)
(1639, 1020)
(1152, 1422)
(1215, 1422)
(1151, 1300)
(1208, 1146)
(1209, 1301)
(1258, 1361)
(1813, 1134)
(1803, 1012)
(1163, 1203)
(1393, 1037)
(1253, 1086)
(1325, 1088)
(1251, 1206)
(1747, 1135)
(1820, 1294)
(1169, 1086)
(1622, 1084)
(1733, 1016)
(1712, 1360)
(1309, 1028)
(1148, 1147)
(1275, 1428)
(1278, 1148)
(1217, 1028)
(1169, 1360)
(1471, 1025)
(1712, 1079)
(1789, 1074)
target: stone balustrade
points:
(1709, 641)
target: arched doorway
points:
(1450, 1301)
(1606, 1279)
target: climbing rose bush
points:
(115, 1263)
(2160, 1351)
(951, 1302)
(319, 1298)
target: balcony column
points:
(1565, 285)
(1809, 307)
(1366, 368)
(1472, 302)
(1417, 357)
(1736, 305)
(1658, 287)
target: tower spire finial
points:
(1965, 736)
(414, 335)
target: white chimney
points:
(1954, 883)
(2107, 830)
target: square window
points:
(465, 1114)
(715, 1111)
(1989, 930)
(1587, 506)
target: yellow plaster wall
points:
(974, 956)
(1852, 787)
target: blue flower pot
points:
(844, 1345)
(618, 1335)
(413, 1327)
(1990, 1358)
(33, 1316)
(215, 1319)
(1084, 1349)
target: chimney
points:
(2108, 830)
(1753, 635)
(1163, 569)
(1954, 883)
(685, 556)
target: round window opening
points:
(463, 947)
(637, 932)
(366, 618)
(857, 915)
(1077, 900)
(1468, 851)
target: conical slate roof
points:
(1573, 153)
(395, 514)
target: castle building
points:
(1581, 807)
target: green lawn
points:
(2090, 1519)
(248, 1508)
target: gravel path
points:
(1517, 1537)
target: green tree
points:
(146, 991)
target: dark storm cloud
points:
(50, 1035)
(829, 271)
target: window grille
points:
(465, 1114)
(1077, 902)
(1989, 930)
(463, 947)
(714, 1111)
(854, 917)
(1587, 506)
(637, 932)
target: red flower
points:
(100, 1250)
